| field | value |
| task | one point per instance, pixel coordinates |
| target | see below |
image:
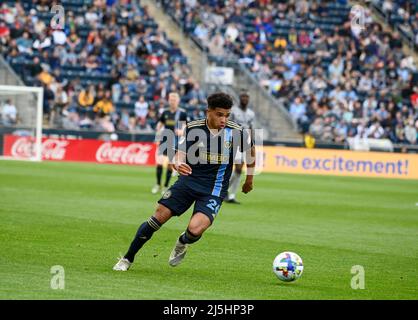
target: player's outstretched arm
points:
(250, 158)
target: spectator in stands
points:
(399, 134)
(60, 103)
(152, 116)
(361, 130)
(38, 24)
(103, 123)
(42, 42)
(92, 63)
(59, 37)
(298, 109)
(316, 128)
(99, 93)
(92, 16)
(86, 97)
(73, 89)
(35, 69)
(141, 108)
(73, 40)
(293, 37)
(68, 57)
(9, 113)
(104, 106)
(125, 96)
(124, 122)
(42, 6)
(71, 120)
(24, 43)
(195, 93)
(132, 73)
(411, 132)
(304, 40)
(45, 77)
(414, 98)
(375, 131)
(231, 32)
(201, 32)
(4, 30)
(143, 125)
(216, 45)
(335, 70)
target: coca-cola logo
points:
(134, 153)
(23, 148)
(54, 149)
(51, 149)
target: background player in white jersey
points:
(245, 117)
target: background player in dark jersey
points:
(204, 160)
(170, 125)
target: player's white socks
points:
(234, 184)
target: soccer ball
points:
(288, 266)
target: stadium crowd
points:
(337, 79)
(402, 14)
(110, 68)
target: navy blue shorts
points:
(179, 198)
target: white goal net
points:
(21, 117)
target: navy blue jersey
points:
(171, 119)
(168, 138)
(211, 156)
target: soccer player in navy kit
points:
(169, 127)
(204, 160)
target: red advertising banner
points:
(86, 150)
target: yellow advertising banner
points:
(339, 162)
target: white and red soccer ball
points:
(288, 266)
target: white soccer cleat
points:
(163, 190)
(122, 265)
(178, 253)
(155, 189)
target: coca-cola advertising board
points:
(86, 150)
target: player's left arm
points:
(250, 161)
(180, 159)
(249, 150)
(180, 164)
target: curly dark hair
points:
(220, 100)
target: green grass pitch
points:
(82, 216)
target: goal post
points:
(21, 136)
